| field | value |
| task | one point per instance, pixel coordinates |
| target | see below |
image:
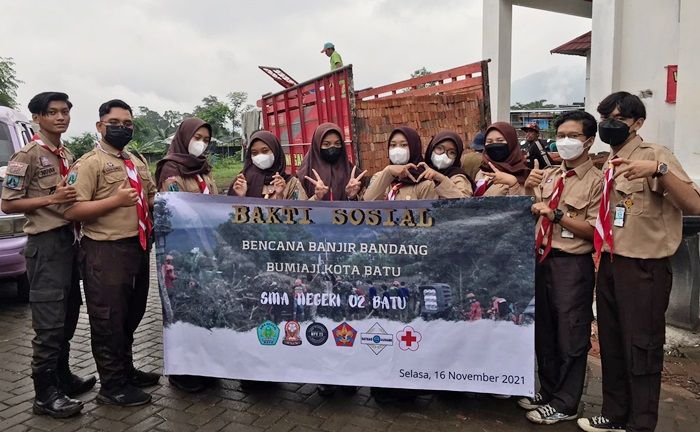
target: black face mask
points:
(331, 154)
(613, 132)
(118, 136)
(497, 152)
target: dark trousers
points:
(115, 280)
(563, 315)
(632, 297)
(54, 296)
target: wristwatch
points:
(661, 170)
(558, 215)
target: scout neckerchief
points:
(145, 225)
(603, 224)
(58, 151)
(481, 187)
(203, 188)
(391, 196)
(547, 227)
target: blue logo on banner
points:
(268, 333)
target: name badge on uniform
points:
(45, 162)
(565, 233)
(620, 216)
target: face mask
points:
(196, 148)
(613, 132)
(263, 161)
(497, 152)
(569, 148)
(118, 136)
(331, 154)
(441, 161)
(399, 155)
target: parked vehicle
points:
(16, 131)
(436, 301)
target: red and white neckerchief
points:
(145, 225)
(203, 188)
(603, 224)
(391, 196)
(59, 152)
(547, 227)
(482, 186)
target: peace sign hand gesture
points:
(500, 177)
(354, 185)
(321, 189)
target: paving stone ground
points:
(286, 407)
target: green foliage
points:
(8, 83)
(217, 114)
(538, 104)
(224, 170)
(81, 144)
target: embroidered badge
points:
(173, 187)
(45, 172)
(72, 178)
(17, 168)
(44, 161)
(629, 203)
(13, 182)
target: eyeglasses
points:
(452, 154)
(128, 124)
(570, 136)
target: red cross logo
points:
(409, 339)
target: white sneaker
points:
(599, 424)
(547, 415)
(531, 403)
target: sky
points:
(169, 54)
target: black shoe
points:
(326, 390)
(143, 379)
(189, 383)
(126, 396)
(599, 424)
(72, 385)
(50, 400)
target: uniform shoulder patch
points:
(17, 168)
(13, 182)
(72, 178)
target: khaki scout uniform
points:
(381, 183)
(564, 283)
(456, 186)
(500, 189)
(292, 191)
(51, 256)
(633, 290)
(115, 267)
(189, 184)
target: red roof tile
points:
(579, 46)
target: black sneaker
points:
(57, 405)
(189, 383)
(599, 424)
(143, 379)
(531, 403)
(547, 415)
(72, 385)
(126, 396)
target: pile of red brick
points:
(375, 119)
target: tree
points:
(236, 109)
(217, 114)
(8, 82)
(81, 144)
(421, 73)
(538, 104)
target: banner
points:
(404, 294)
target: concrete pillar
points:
(606, 36)
(686, 144)
(496, 45)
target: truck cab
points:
(16, 131)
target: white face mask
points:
(569, 148)
(441, 161)
(196, 148)
(263, 161)
(399, 155)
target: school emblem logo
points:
(409, 339)
(376, 338)
(173, 187)
(44, 161)
(72, 177)
(291, 333)
(344, 335)
(12, 182)
(316, 334)
(268, 333)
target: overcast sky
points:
(169, 54)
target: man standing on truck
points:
(37, 184)
(336, 60)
